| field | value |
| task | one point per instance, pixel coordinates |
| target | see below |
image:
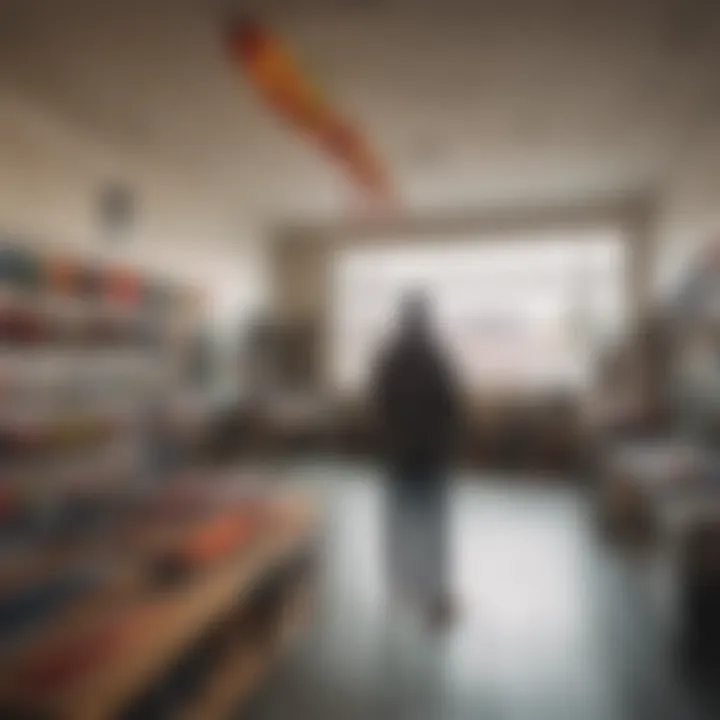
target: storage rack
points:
(87, 351)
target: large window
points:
(516, 312)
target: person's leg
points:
(417, 539)
(398, 534)
(435, 552)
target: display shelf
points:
(251, 654)
(87, 399)
(159, 626)
(89, 352)
(28, 271)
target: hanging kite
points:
(273, 72)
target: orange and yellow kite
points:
(274, 73)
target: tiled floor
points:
(554, 625)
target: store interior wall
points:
(673, 220)
(52, 171)
(301, 257)
(51, 176)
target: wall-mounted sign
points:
(117, 211)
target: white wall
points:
(50, 176)
(690, 205)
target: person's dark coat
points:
(415, 401)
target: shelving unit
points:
(665, 490)
(84, 350)
(179, 580)
(156, 626)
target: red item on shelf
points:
(124, 287)
(22, 325)
(220, 537)
(61, 276)
(210, 541)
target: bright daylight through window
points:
(521, 311)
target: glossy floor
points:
(554, 625)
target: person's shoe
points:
(442, 613)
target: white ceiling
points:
(468, 102)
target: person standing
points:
(415, 400)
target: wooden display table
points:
(145, 631)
